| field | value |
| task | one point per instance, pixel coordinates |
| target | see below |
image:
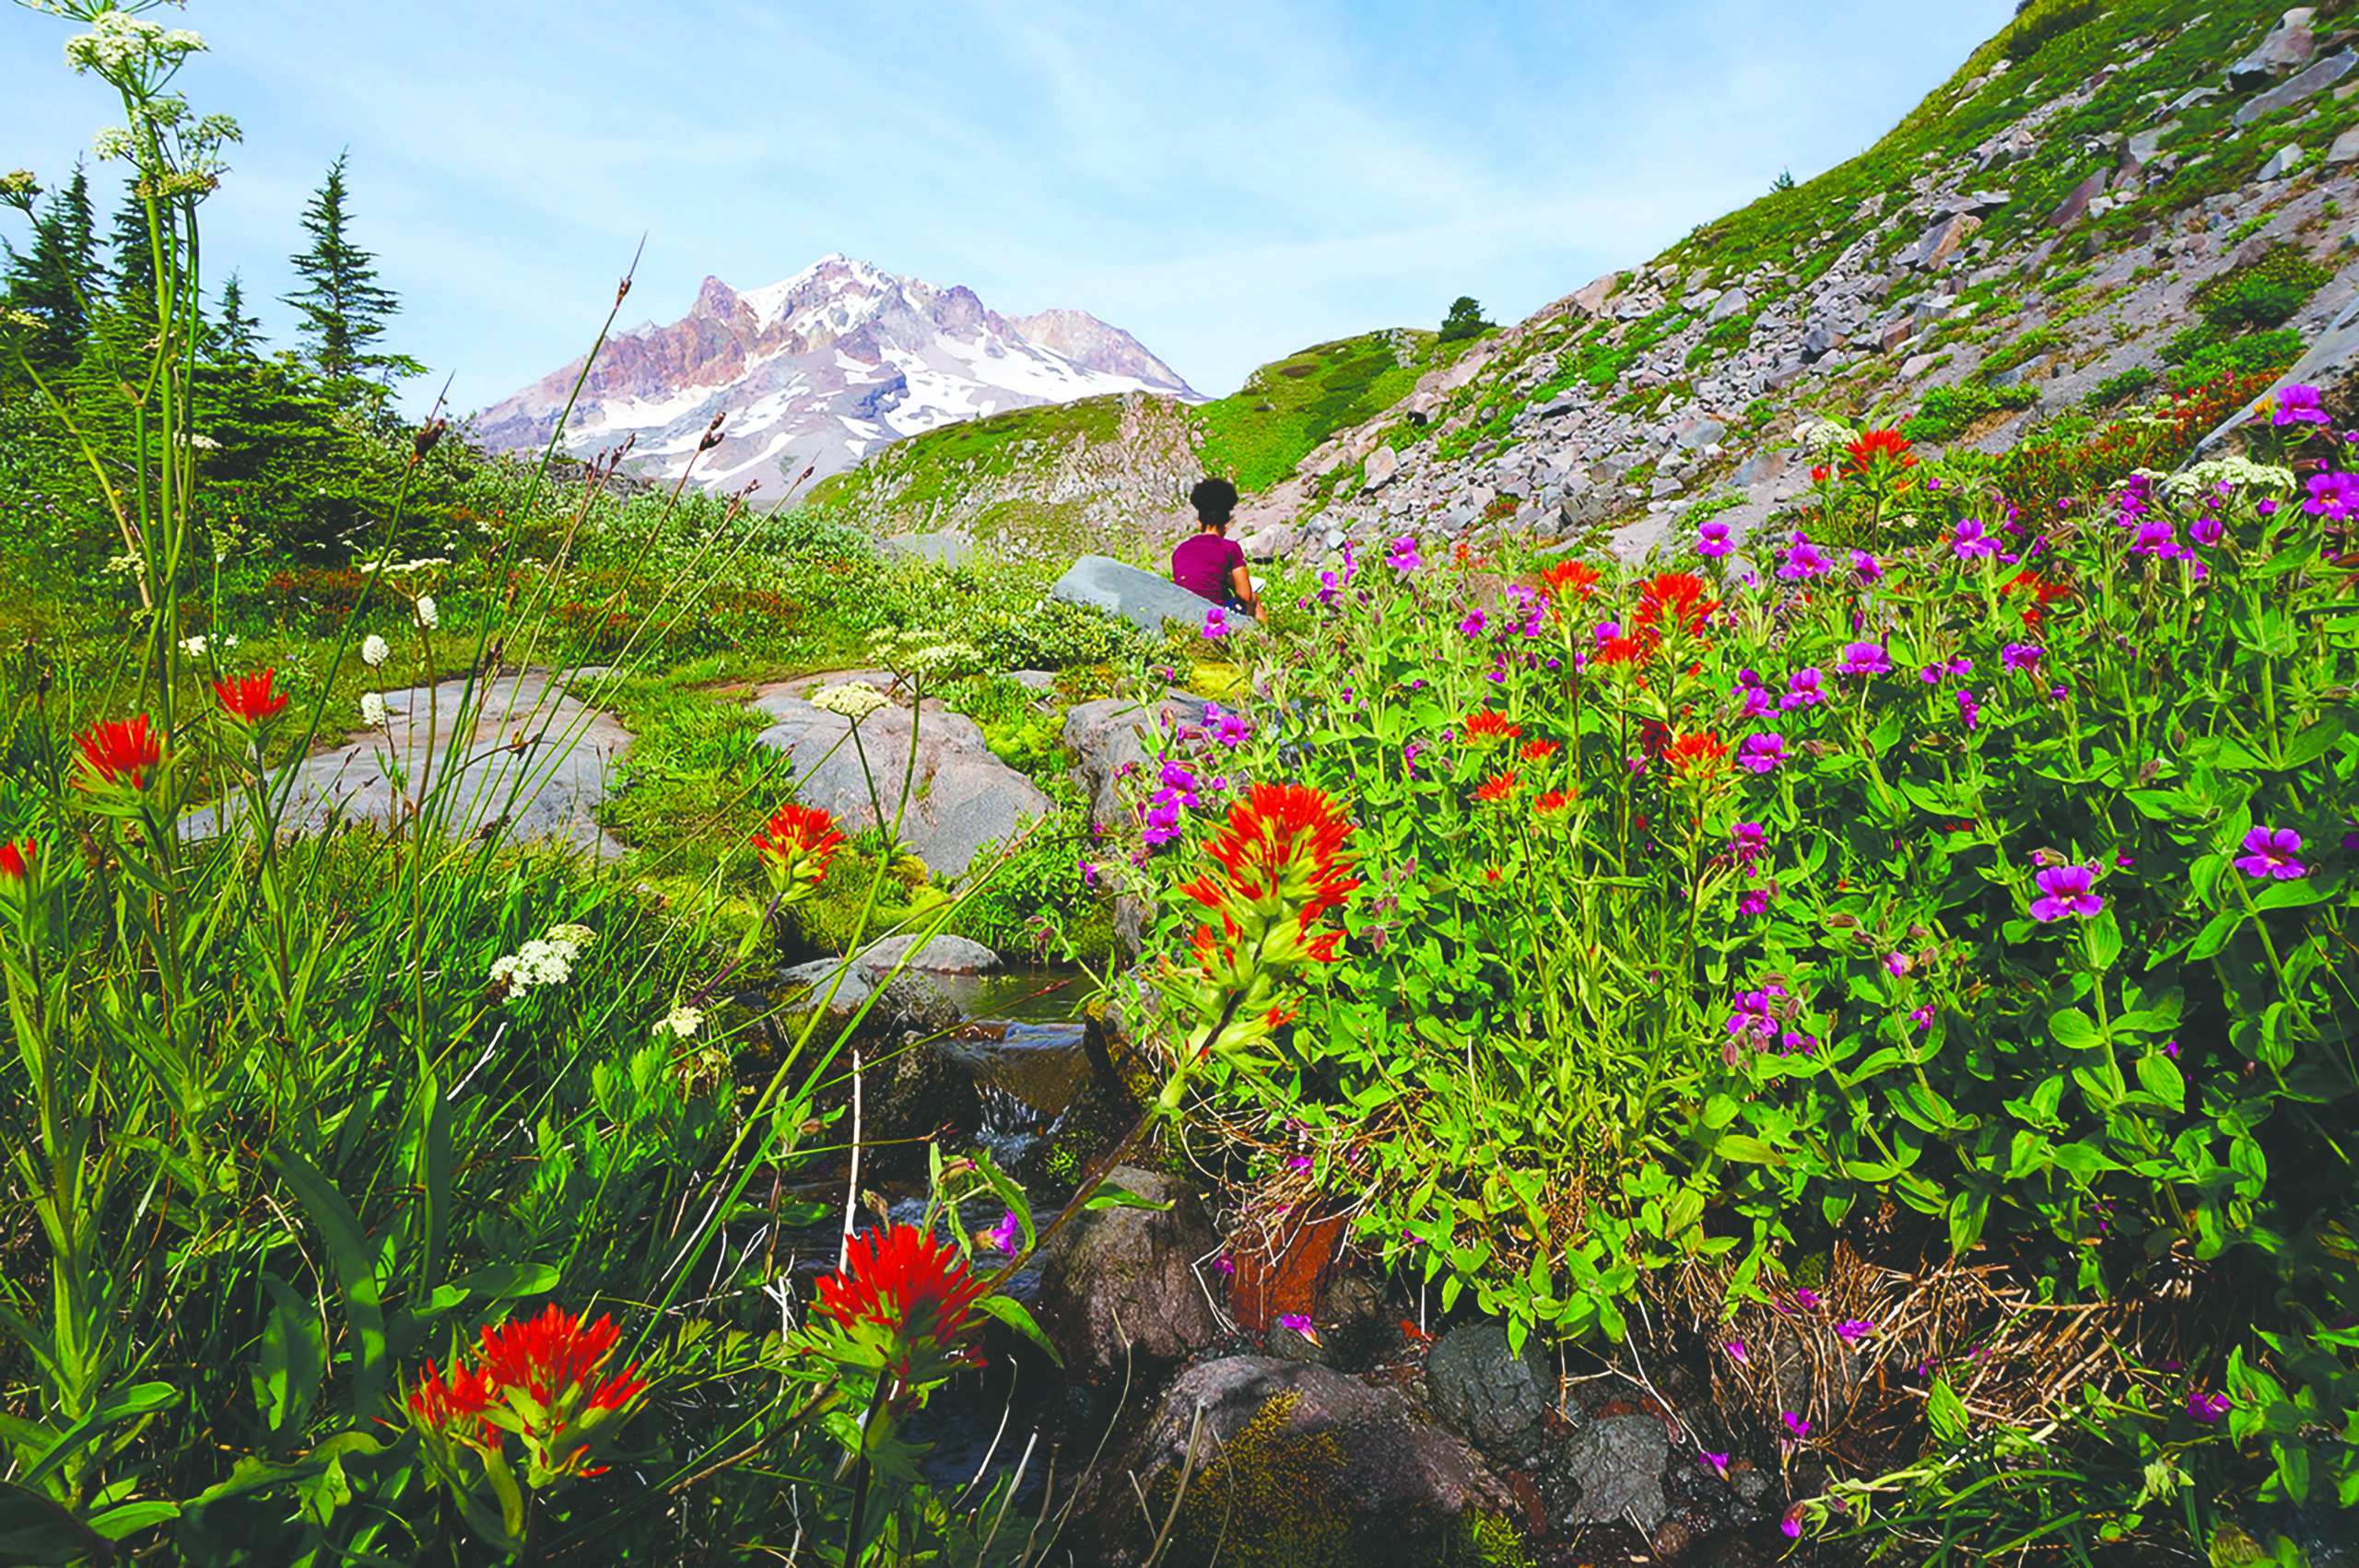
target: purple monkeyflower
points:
(1867, 659)
(1715, 1463)
(1970, 543)
(1795, 1425)
(1803, 561)
(1299, 1322)
(2269, 852)
(1753, 903)
(1162, 823)
(1794, 1043)
(2156, 537)
(2333, 496)
(1869, 568)
(1921, 1016)
(1807, 1299)
(1790, 1524)
(2020, 656)
(1215, 623)
(1402, 557)
(1755, 1019)
(2297, 404)
(1762, 753)
(1180, 782)
(1712, 540)
(1851, 1330)
(1474, 624)
(1747, 843)
(2071, 890)
(2209, 1408)
(1969, 709)
(1804, 688)
(2206, 531)
(1008, 1235)
(1755, 696)
(1897, 964)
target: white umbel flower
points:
(854, 699)
(539, 963)
(682, 1022)
(374, 651)
(427, 616)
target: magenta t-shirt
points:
(1202, 565)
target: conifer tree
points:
(344, 310)
(238, 336)
(53, 280)
(134, 272)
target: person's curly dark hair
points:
(1213, 500)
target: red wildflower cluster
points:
(1554, 803)
(16, 860)
(1875, 448)
(1498, 787)
(1619, 651)
(1488, 728)
(1539, 751)
(1282, 847)
(1570, 579)
(1673, 600)
(248, 699)
(539, 1378)
(796, 846)
(121, 751)
(1701, 756)
(903, 1279)
(1654, 738)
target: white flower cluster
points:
(682, 1022)
(374, 651)
(2236, 472)
(427, 616)
(1819, 437)
(924, 652)
(195, 647)
(423, 563)
(113, 142)
(372, 710)
(119, 42)
(854, 699)
(121, 566)
(547, 961)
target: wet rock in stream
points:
(1120, 1290)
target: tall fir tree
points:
(343, 308)
(238, 335)
(133, 275)
(54, 281)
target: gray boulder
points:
(1735, 302)
(2285, 161)
(1609, 1470)
(1111, 733)
(1141, 598)
(1488, 1394)
(2286, 94)
(1120, 1294)
(941, 954)
(961, 797)
(2285, 47)
(1288, 1453)
(911, 1003)
(531, 762)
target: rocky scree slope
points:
(2035, 241)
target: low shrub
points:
(1947, 411)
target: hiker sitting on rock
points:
(1208, 563)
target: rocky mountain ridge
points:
(2047, 249)
(816, 371)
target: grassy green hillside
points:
(1287, 408)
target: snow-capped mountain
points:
(819, 369)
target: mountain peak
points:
(817, 370)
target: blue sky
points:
(1228, 180)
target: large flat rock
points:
(527, 757)
(961, 797)
(1141, 598)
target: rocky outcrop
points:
(1119, 1292)
(1484, 1389)
(1292, 1462)
(960, 797)
(1147, 600)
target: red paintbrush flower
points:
(1820, 474)
(1488, 728)
(904, 1280)
(121, 751)
(444, 1402)
(1876, 448)
(1618, 651)
(248, 699)
(547, 1355)
(1676, 598)
(1496, 789)
(1539, 751)
(1699, 755)
(16, 860)
(1554, 803)
(1570, 579)
(1284, 845)
(796, 846)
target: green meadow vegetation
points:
(1903, 976)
